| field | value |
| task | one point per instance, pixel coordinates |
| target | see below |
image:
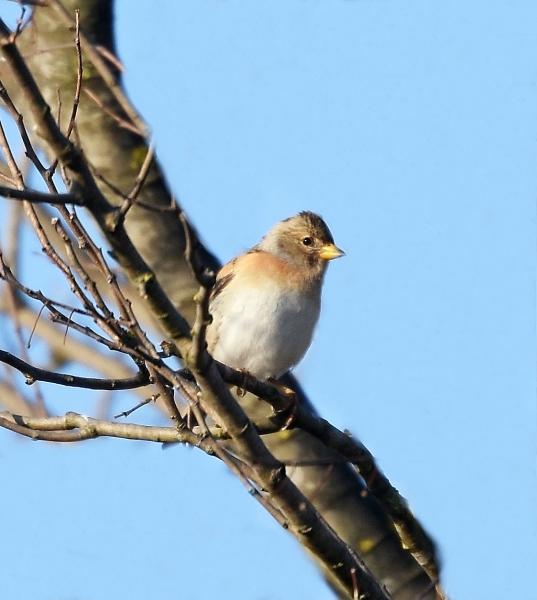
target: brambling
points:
(266, 302)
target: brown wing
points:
(221, 283)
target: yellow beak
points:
(330, 251)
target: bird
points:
(266, 302)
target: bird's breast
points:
(263, 329)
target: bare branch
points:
(79, 74)
(60, 429)
(33, 374)
(117, 118)
(39, 197)
(140, 404)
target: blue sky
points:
(411, 127)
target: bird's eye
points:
(307, 241)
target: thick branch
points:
(297, 416)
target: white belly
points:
(262, 332)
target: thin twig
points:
(204, 277)
(6, 148)
(111, 58)
(140, 404)
(119, 120)
(18, 25)
(17, 117)
(166, 392)
(88, 282)
(130, 199)
(79, 75)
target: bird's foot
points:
(292, 405)
(246, 377)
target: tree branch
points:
(39, 197)
(62, 429)
(33, 374)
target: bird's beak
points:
(330, 251)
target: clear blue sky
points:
(411, 126)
